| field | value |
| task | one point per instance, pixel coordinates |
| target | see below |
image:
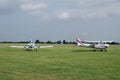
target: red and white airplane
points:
(101, 45)
(31, 46)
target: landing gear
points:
(101, 50)
(31, 49)
(27, 49)
(105, 50)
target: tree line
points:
(43, 42)
(52, 42)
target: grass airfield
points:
(62, 62)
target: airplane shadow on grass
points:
(86, 51)
(82, 51)
(27, 50)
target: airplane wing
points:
(17, 46)
(98, 41)
(86, 41)
(45, 46)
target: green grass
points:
(63, 62)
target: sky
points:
(22, 20)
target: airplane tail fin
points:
(79, 41)
(31, 41)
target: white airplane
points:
(101, 45)
(31, 46)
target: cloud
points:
(63, 15)
(94, 9)
(19, 6)
(33, 7)
(75, 15)
(101, 11)
(82, 9)
(85, 9)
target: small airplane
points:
(101, 45)
(31, 46)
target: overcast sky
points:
(22, 20)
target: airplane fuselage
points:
(100, 45)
